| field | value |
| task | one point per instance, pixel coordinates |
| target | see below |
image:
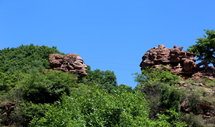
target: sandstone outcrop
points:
(72, 63)
(180, 63)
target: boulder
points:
(72, 63)
(179, 62)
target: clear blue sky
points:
(107, 34)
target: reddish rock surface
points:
(68, 63)
(181, 63)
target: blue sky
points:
(108, 34)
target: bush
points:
(26, 57)
(7, 82)
(98, 108)
(152, 94)
(104, 79)
(191, 120)
(172, 117)
(153, 76)
(194, 102)
(170, 100)
(48, 87)
(23, 114)
(28, 111)
(151, 82)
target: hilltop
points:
(41, 86)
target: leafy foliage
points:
(25, 58)
(204, 48)
(30, 110)
(106, 79)
(48, 87)
(152, 94)
(127, 88)
(172, 117)
(7, 82)
(100, 77)
(96, 100)
(191, 120)
(151, 81)
(98, 108)
(153, 76)
(170, 100)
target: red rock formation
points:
(180, 63)
(68, 63)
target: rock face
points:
(181, 63)
(68, 63)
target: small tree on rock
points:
(204, 48)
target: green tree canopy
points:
(25, 58)
(47, 87)
(101, 77)
(105, 79)
(170, 100)
(204, 48)
(153, 76)
(98, 108)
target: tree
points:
(204, 48)
(153, 76)
(47, 87)
(7, 82)
(105, 79)
(24, 58)
(96, 107)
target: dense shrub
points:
(151, 82)
(152, 76)
(96, 100)
(28, 111)
(152, 94)
(7, 82)
(99, 77)
(194, 102)
(25, 57)
(127, 88)
(48, 87)
(99, 108)
(191, 120)
(170, 100)
(172, 117)
(104, 79)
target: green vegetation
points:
(28, 111)
(98, 108)
(170, 100)
(204, 48)
(153, 76)
(48, 87)
(54, 98)
(104, 79)
(156, 85)
(7, 82)
(24, 58)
